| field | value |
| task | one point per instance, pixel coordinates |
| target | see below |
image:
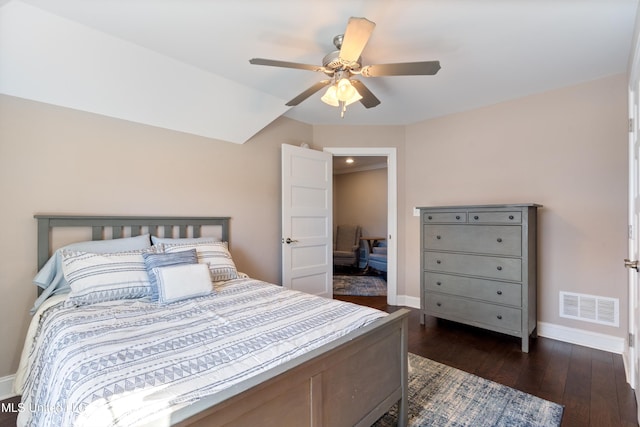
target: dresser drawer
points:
(474, 312)
(444, 217)
(482, 289)
(496, 217)
(474, 265)
(485, 239)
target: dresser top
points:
(512, 205)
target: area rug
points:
(359, 285)
(440, 395)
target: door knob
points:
(631, 264)
(288, 241)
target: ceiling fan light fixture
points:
(354, 97)
(330, 97)
(346, 62)
(345, 90)
(341, 94)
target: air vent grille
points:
(590, 308)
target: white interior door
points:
(307, 229)
(634, 240)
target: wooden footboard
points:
(350, 382)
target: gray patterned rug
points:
(440, 395)
(359, 285)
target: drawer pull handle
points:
(476, 217)
(510, 216)
(499, 317)
(457, 216)
(439, 283)
(429, 217)
(438, 262)
(439, 304)
(438, 237)
(499, 240)
(499, 268)
(499, 292)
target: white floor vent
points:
(590, 308)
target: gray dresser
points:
(478, 266)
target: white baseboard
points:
(557, 332)
(581, 337)
(627, 371)
(6, 387)
(407, 301)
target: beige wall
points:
(57, 160)
(361, 198)
(565, 149)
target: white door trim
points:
(632, 360)
(392, 209)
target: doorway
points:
(390, 154)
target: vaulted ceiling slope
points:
(184, 64)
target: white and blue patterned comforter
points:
(122, 362)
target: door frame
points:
(392, 208)
(632, 361)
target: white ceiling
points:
(490, 50)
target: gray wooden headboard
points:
(119, 225)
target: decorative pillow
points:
(152, 261)
(215, 255)
(180, 282)
(171, 241)
(51, 278)
(97, 277)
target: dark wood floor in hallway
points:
(589, 383)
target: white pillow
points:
(215, 255)
(97, 277)
(179, 282)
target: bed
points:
(280, 369)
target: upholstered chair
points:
(378, 257)
(346, 245)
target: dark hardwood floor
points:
(589, 383)
(8, 412)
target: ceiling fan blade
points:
(285, 64)
(426, 68)
(369, 100)
(307, 93)
(355, 39)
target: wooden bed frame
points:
(351, 381)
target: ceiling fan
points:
(341, 65)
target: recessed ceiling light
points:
(349, 160)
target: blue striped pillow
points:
(157, 260)
(214, 254)
(97, 277)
